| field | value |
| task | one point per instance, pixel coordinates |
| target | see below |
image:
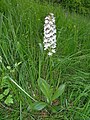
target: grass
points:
(23, 60)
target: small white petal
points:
(50, 54)
(53, 20)
(45, 40)
(47, 45)
(51, 28)
(46, 21)
(53, 51)
(54, 37)
(47, 26)
(51, 23)
(51, 14)
(46, 18)
(54, 26)
(52, 42)
(45, 48)
(53, 46)
(54, 31)
(48, 35)
(47, 31)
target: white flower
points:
(53, 51)
(50, 53)
(50, 34)
(46, 21)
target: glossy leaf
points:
(58, 92)
(39, 105)
(45, 88)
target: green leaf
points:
(53, 109)
(38, 105)
(1, 96)
(9, 100)
(6, 91)
(45, 88)
(58, 92)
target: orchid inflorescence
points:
(50, 34)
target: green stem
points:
(20, 110)
(39, 66)
(51, 70)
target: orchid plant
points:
(50, 94)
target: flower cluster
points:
(50, 34)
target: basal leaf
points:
(45, 88)
(58, 92)
(39, 105)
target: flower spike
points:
(50, 34)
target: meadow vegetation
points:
(79, 6)
(25, 68)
